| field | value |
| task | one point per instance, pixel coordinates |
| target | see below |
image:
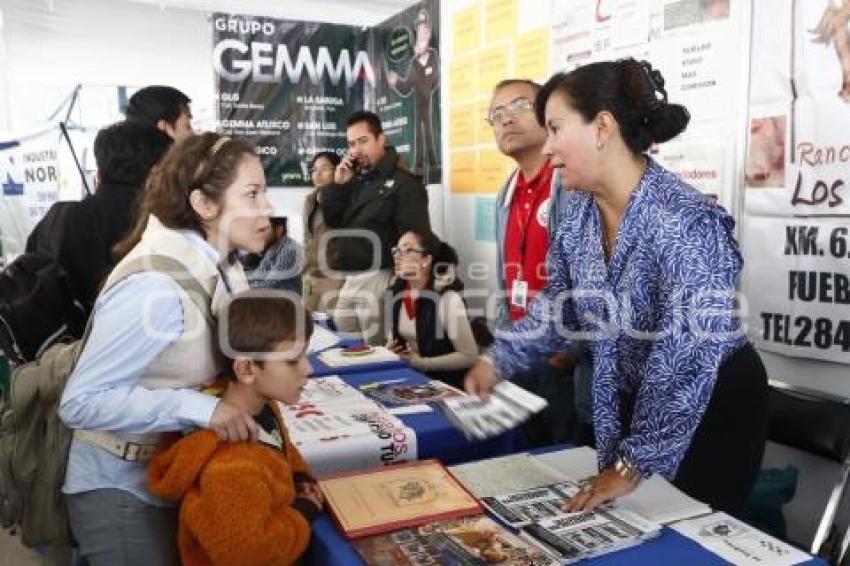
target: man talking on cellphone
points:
(371, 203)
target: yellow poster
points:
(494, 66)
(462, 174)
(467, 29)
(463, 78)
(485, 131)
(493, 169)
(462, 125)
(501, 19)
(532, 54)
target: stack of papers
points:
(322, 339)
(487, 478)
(507, 407)
(655, 498)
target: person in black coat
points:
(374, 194)
(80, 235)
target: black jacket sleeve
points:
(335, 201)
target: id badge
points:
(519, 294)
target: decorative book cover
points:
(454, 542)
(387, 499)
(392, 395)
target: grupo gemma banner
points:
(289, 86)
(797, 202)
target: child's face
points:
(283, 377)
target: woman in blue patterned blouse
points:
(644, 269)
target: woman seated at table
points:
(430, 328)
(643, 268)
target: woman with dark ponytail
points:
(430, 327)
(644, 269)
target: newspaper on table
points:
(737, 542)
(507, 407)
(337, 429)
(654, 498)
(331, 390)
(351, 439)
(503, 474)
(576, 536)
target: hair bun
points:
(666, 121)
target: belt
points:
(117, 446)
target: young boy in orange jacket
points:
(247, 502)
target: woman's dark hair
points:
(207, 162)
(329, 155)
(632, 91)
(442, 254)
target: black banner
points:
(407, 97)
(289, 87)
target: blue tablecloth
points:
(435, 436)
(329, 548)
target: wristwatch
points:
(627, 470)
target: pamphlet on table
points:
(401, 396)
(507, 407)
(738, 542)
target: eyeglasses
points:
(321, 170)
(498, 114)
(404, 251)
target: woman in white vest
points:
(152, 346)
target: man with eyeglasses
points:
(527, 209)
(374, 196)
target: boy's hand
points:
(233, 424)
(311, 491)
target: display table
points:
(435, 436)
(329, 548)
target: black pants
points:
(724, 458)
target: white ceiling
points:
(357, 12)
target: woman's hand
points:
(481, 379)
(232, 424)
(605, 487)
(398, 347)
